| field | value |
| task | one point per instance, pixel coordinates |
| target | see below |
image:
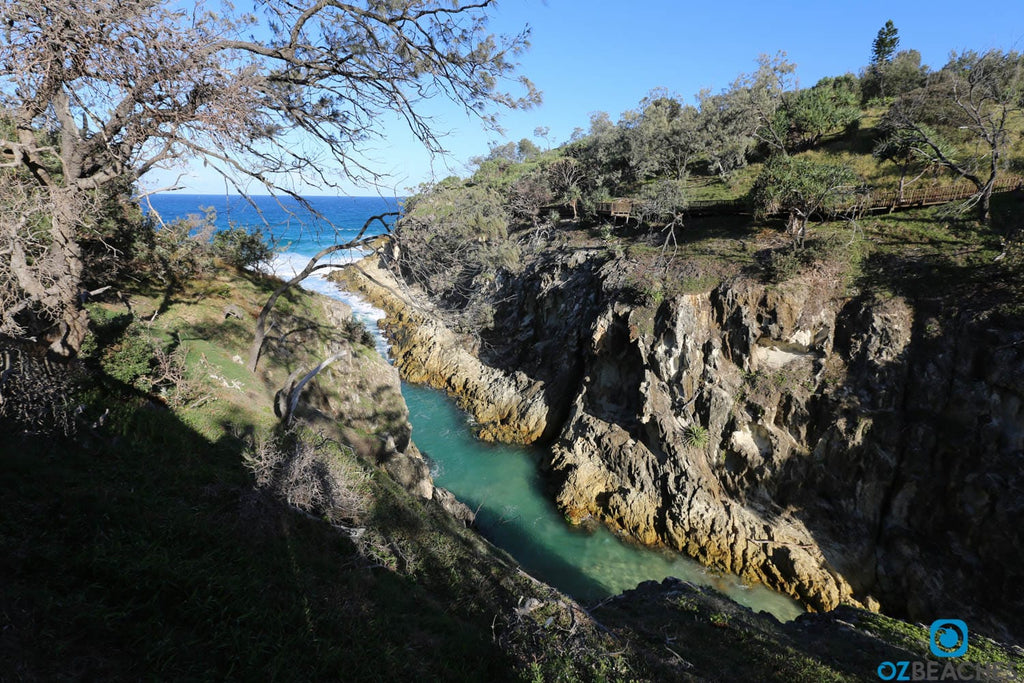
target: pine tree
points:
(885, 44)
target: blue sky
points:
(606, 56)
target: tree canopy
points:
(801, 188)
(97, 91)
(883, 47)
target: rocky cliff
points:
(841, 449)
(361, 397)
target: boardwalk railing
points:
(879, 200)
(616, 208)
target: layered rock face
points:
(507, 406)
(858, 450)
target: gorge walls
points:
(840, 449)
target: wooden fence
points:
(616, 208)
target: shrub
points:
(452, 238)
(177, 251)
(310, 472)
(130, 360)
(696, 436)
(243, 248)
(782, 265)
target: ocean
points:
(292, 230)
(290, 225)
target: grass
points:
(696, 632)
(696, 436)
(931, 253)
(157, 559)
(143, 550)
(914, 639)
(712, 188)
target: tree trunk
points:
(985, 204)
(261, 327)
(73, 322)
(49, 279)
(797, 226)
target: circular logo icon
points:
(948, 638)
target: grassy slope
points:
(143, 549)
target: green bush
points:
(782, 265)
(177, 251)
(243, 248)
(130, 360)
(696, 436)
(453, 239)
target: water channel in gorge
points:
(515, 510)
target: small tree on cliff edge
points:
(100, 90)
(801, 188)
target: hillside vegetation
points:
(780, 158)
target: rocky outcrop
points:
(842, 450)
(507, 406)
(676, 437)
(361, 395)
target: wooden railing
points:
(616, 208)
(924, 196)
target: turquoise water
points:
(517, 514)
(516, 511)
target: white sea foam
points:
(289, 264)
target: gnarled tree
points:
(97, 91)
(973, 103)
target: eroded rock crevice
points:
(842, 450)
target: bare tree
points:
(663, 202)
(527, 196)
(566, 179)
(105, 89)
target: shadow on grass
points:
(143, 551)
(700, 632)
(932, 256)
